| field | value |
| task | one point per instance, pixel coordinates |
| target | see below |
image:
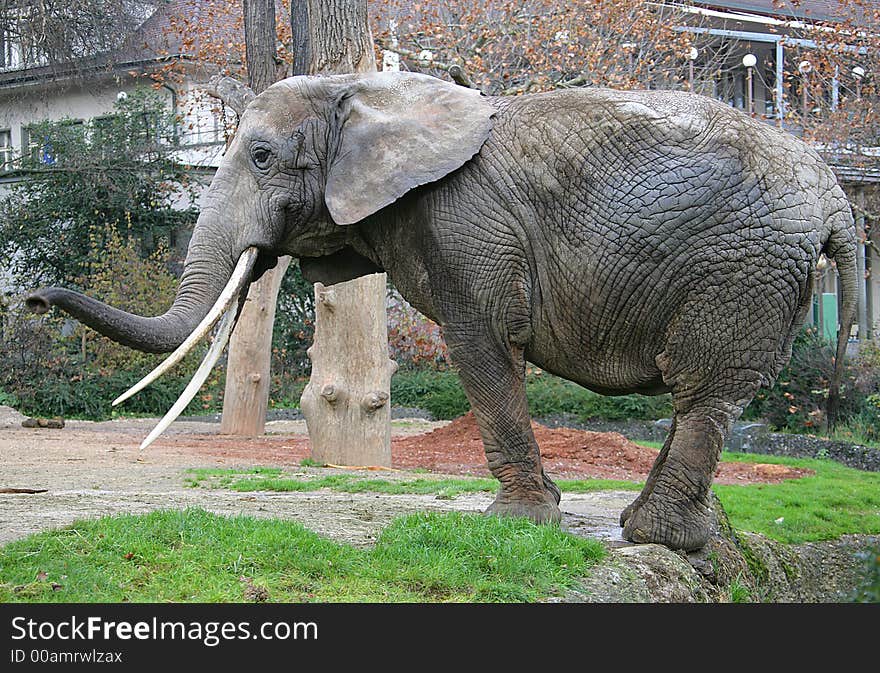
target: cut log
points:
(346, 403)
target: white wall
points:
(24, 106)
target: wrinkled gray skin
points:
(633, 242)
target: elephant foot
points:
(677, 523)
(542, 508)
(552, 487)
(629, 510)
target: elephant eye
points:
(261, 155)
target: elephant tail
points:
(841, 247)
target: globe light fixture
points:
(804, 67)
(693, 53)
(749, 60)
(858, 72)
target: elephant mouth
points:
(225, 311)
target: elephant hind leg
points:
(651, 480)
(673, 508)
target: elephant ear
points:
(398, 131)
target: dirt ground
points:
(94, 469)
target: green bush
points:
(549, 395)
(797, 402)
(89, 396)
(292, 333)
(73, 188)
(52, 366)
(440, 392)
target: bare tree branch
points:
(455, 71)
(459, 76)
(233, 93)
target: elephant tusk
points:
(227, 323)
(237, 280)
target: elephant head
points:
(311, 154)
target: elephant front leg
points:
(493, 377)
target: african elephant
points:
(630, 241)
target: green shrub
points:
(550, 395)
(74, 187)
(441, 393)
(796, 403)
(52, 366)
(863, 427)
(438, 392)
(292, 335)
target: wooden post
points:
(248, 375)
(248, 372)
(347, 400)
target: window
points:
(5, 150)
(40, 149)
(202, 123)
(29, 146)
(10, 52)
(101, 130)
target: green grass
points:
(195, 556)
(835, 501)
(738, 592)
(448, 488)
(269, 479)
(224, 478)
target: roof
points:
(154, 40)
(815, 10)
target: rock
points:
(664, 424)
(9, 417)
(733, 566)
(745, 436)
(56, 422)
(815, 572)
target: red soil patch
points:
(457, 449)
(565, 453)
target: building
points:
(31, 91)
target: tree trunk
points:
(347, 401)
(331, 37)
(861, 238)
(248, 370)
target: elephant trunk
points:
(207, 270)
